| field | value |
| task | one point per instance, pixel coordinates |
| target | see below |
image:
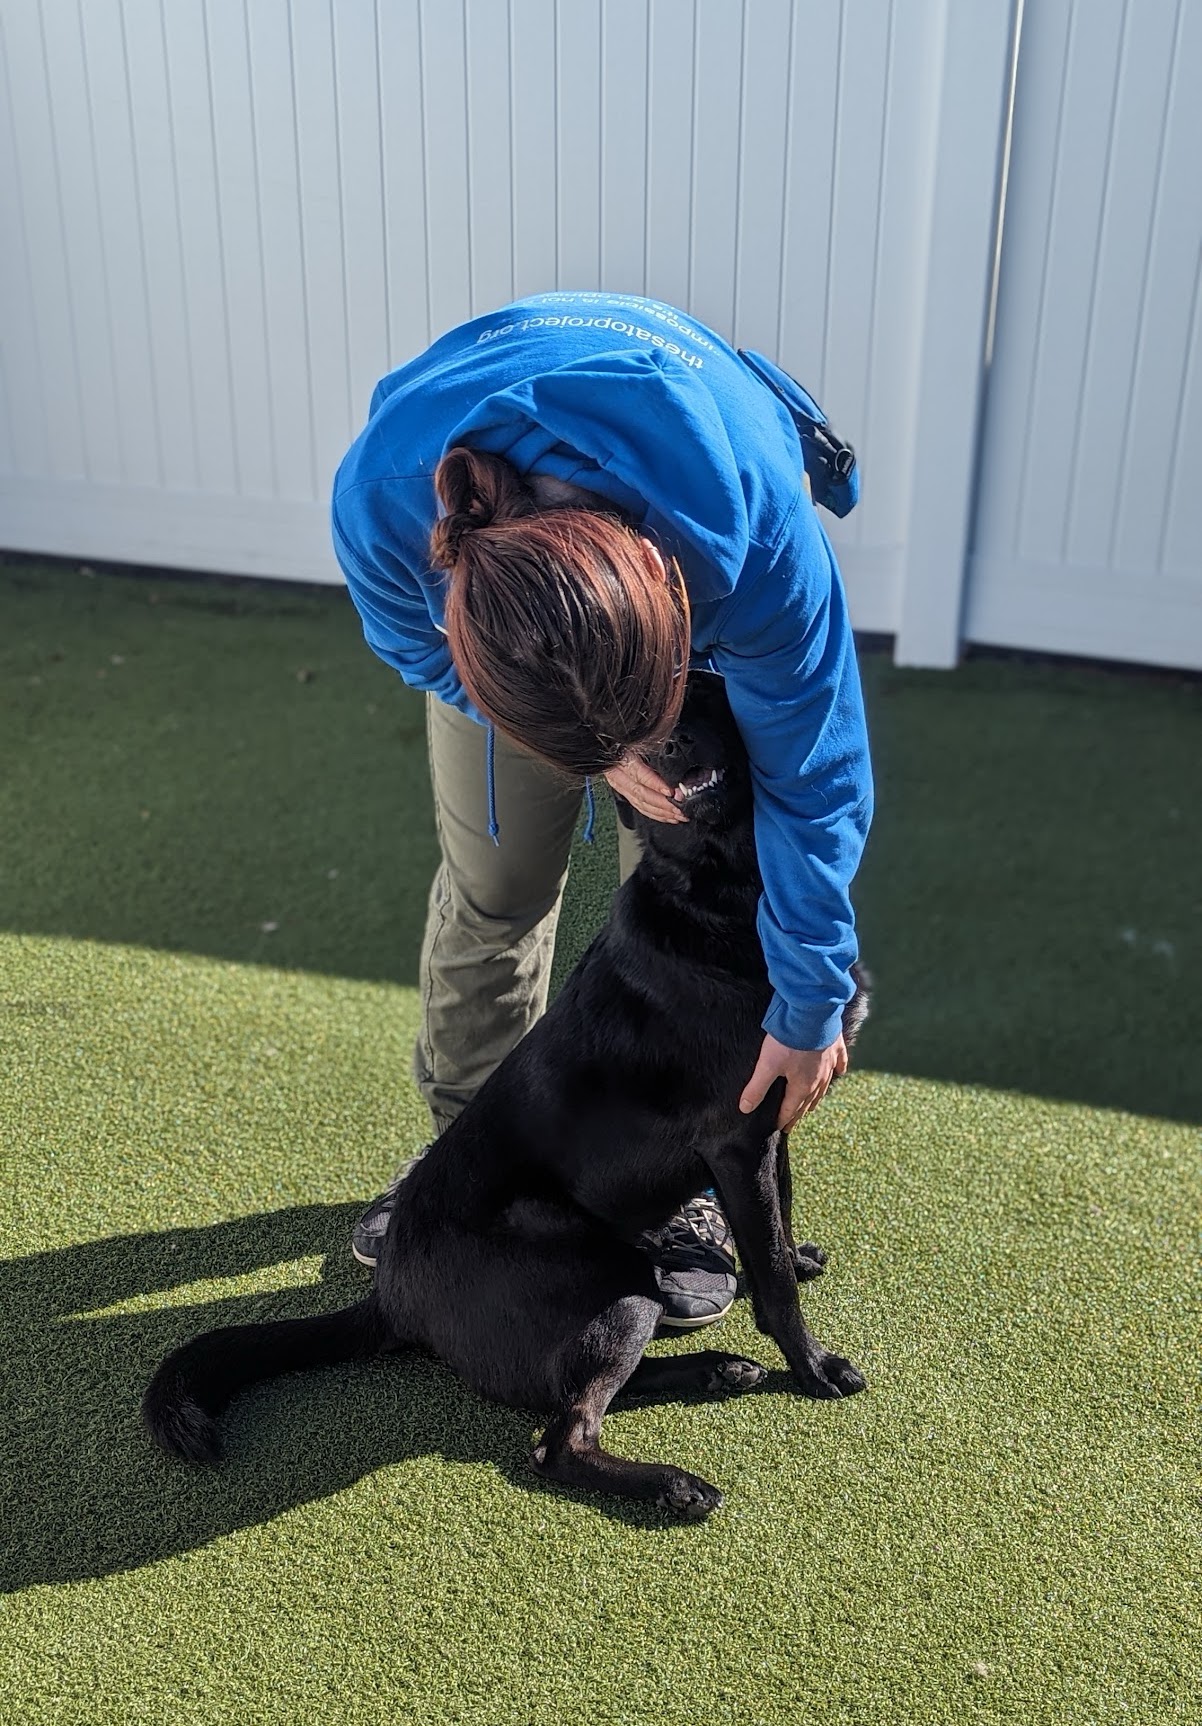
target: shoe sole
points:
(667, 1323)
(370, 1263)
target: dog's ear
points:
(625, 811)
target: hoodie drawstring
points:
(494, 831)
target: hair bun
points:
(475, 490)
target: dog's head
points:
(705, 762)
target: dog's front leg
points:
(749, 1187)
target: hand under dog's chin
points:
(708, 809)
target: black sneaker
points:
(372, 1226)
(694, 1265)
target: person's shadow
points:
(86, 1492)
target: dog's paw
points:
(849, 1378)
(828, 1376)
(809, 1261)
(688, 1496)
(734, 1375)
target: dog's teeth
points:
(683, 792)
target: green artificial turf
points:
(215, 841)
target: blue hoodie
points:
(636, 401)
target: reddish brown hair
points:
(564, 628)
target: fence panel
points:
(1089, 521)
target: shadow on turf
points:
(244, 779)
(251, 783)
(86, 1494)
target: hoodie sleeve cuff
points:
(803, 1027)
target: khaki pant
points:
(490, 924)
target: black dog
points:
(511, 1253)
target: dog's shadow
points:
(86, 1492)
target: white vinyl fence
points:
(220, 222)
(1088, 536)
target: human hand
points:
(645, 790)
(807, 1074)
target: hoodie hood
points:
(642, 430)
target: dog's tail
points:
(194, 1384)
(856, 1010)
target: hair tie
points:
(457, 527)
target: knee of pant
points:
(499, 914)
